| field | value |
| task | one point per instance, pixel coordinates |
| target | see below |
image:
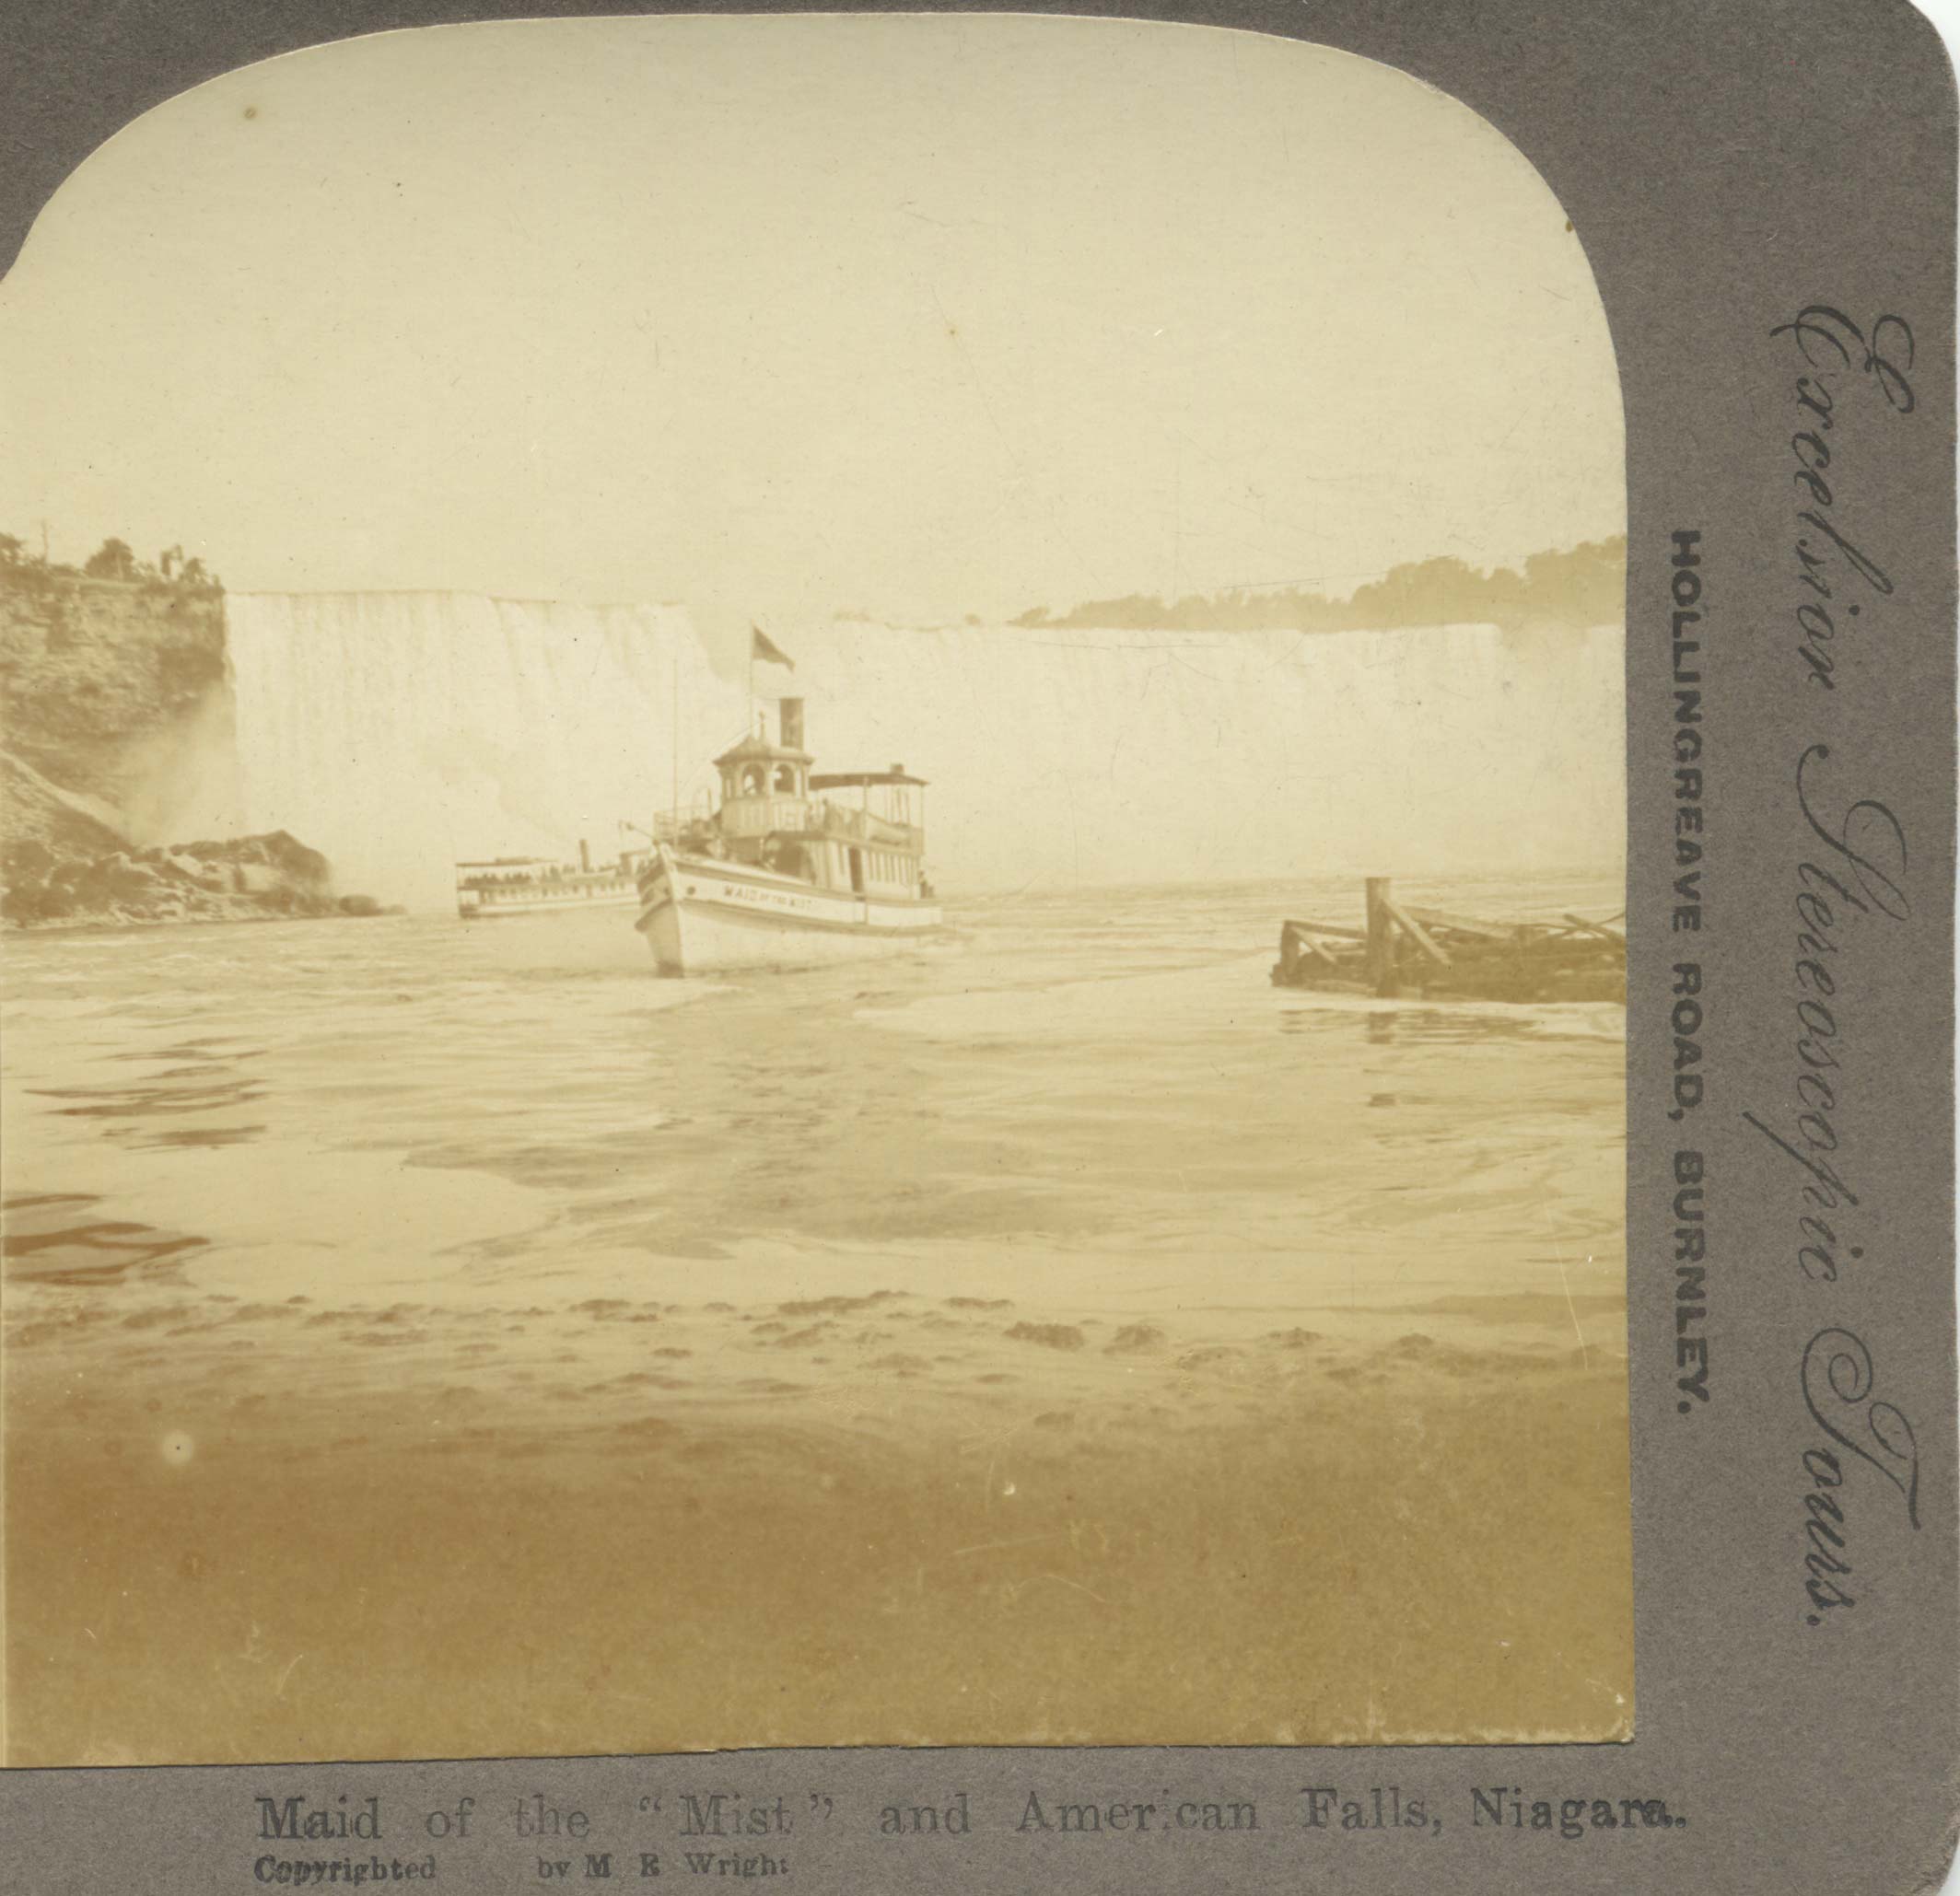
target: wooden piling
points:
(1435, 952)
(1380, 953)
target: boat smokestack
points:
(789, 714)
(585, 855)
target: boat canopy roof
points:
(853, 779)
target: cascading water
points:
(1140, 757)
(400, 732)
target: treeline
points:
(1584, 584)
(114, 559)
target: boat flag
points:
(762, 647)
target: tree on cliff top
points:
(112, 560)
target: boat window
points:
(856, 856)
(754, 781)
(786, 778)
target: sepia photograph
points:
(814, 856)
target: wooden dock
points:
(1423, 951)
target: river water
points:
(1098, 1088)
(439, 1340)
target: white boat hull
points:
(474, 909)
(701, 916)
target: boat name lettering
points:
(767, 898)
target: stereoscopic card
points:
(976, 951)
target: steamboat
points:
(524, 885)
(793, 867)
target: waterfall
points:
(1142, 756)
(399, 732)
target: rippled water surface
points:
(964, 1321)
(1101, 1087)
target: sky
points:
(779, 317)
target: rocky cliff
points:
(115, 739)
(113, 688)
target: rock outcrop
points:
(60, 865)
(116, 720)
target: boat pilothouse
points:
(794, 868)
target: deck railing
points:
(793, 816)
